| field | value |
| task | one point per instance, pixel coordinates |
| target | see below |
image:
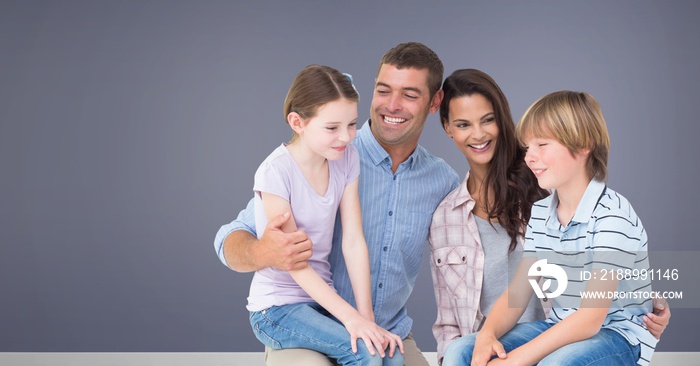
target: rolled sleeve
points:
(245, 221)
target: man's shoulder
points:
(434, 162)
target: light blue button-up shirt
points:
(396, 213)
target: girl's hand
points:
(393, 341)
(369, 332)
(485, 347)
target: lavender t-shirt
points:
(280, 175)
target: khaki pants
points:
(307, 357)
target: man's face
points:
(400, 105)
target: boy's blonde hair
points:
(576, 121)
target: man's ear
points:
(295, 122)
(435, 102)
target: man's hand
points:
(657, 321)
(285, 251)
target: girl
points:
(311, 177)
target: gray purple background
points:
(130, 131)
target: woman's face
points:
(473, 126)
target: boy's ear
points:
(586, 151)
(295, 122)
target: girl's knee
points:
(397, 360)
(364, 357)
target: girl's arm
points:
(357, 257)
(318, 289)
(355, 249)
(583, 324)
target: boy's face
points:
(554, 165)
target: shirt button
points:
(391, 213)
(439, 261)
(386, 248)
(394, 177)
(380, 285)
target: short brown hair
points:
(314, 86)
(576, 121)
(417, 56)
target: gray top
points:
(499, 268)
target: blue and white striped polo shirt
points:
(605, 233)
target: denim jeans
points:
(308, 325)
(605, 348)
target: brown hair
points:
(314, 86)
(576, 121)
(417, 56)
(511, 184)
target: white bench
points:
(225, 359)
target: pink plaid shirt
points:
(457, 266)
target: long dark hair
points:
(509, 180)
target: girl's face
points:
(553, 164)
(473, 126)
(332, 128)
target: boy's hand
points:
(369, 332)
(657, 321)
(485, 347)
(512, 359)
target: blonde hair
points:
(576, 121)
(314, 86)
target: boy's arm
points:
(583, 324)
(504, 314)
(324, 295)
(239, 248)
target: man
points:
(401, 183)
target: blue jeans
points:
(309, 325)
(605, 348)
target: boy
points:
(584, 230)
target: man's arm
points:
(238, 247)
(657, 321)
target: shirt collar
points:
(463, 196)
(584, 211)
(376, 151)
(589, 201)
